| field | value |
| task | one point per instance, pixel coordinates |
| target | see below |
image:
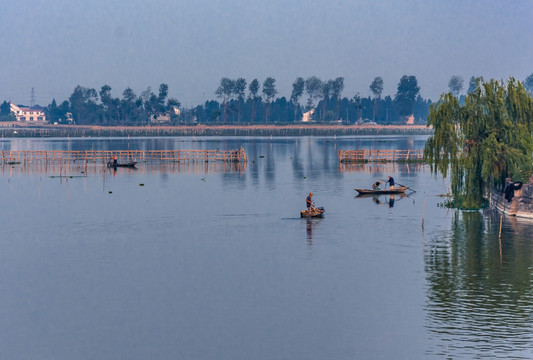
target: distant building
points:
(308, 115)
(164, 118)
(160, 118)
(27, 114)
(176, 111)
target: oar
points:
(408, 188)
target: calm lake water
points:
(213, 261)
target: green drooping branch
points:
(483, 141)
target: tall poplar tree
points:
(269, 90)
(376, 87)
(297, 92)
(253, 90)
(408, 90)
(239, 89)
(456, 84)
(225, 91)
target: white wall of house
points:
(26, 114)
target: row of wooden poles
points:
(123, 156)
(94, 168)
(365, 155)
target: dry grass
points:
(213, 130)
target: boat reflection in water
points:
(383, 199)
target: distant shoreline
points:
(46, 130)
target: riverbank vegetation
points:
(482, 141)
(15, 130)
(237, 101)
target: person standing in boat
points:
(375, 186)
(390, 182)
(115, 160)
(309, 202)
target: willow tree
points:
(482, 142)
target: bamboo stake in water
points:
(500, 233)
(424, 211)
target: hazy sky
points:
(54, 45)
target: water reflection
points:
(151, 167)
(210, 257)
(383, 199)
(477, 303)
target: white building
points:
(160, 118)
(307, 115)
(27, 114)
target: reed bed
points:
(212, 130)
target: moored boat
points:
(316, 212)
(131, 164)
(396, 190)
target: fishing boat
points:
(131, 164)
(396, 190)
(315, 212)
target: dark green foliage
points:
(84, 107)
(408, 90)
(456, 84)
(5, 112)
(87, 106)
(376, 87)
(482, 142)
(313, 89)
(528, 83)
(297, 91)
(269, 90)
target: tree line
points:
(240, 102)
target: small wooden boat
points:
(316, 212)
(396, 190)
(131, 164)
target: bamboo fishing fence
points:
(123, 156)
(382, 156)
(83, 169)
(380, 168)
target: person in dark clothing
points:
(509, 190)
(391, 201)
(390, 182)
(375, 186)
(309, 202)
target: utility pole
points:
(32, 102)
